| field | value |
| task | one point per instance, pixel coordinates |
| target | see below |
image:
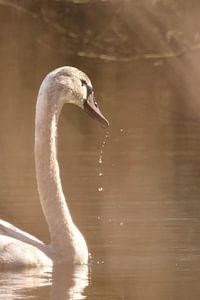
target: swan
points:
(67, 244)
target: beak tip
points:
(105, 124)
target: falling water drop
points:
(100, 161)
(102, 146)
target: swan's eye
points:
(83, 82)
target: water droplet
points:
(102, 146)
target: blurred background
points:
(141, 219)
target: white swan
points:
(18, 248)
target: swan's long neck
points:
(52, 198)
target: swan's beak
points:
(91, 107)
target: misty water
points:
(133, 191)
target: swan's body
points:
(18, 248)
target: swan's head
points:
(75, 87)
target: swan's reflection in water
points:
(64, 283)
(69, 282)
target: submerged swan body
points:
(18, 248)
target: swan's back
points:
(15, 253)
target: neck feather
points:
(52, 198)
